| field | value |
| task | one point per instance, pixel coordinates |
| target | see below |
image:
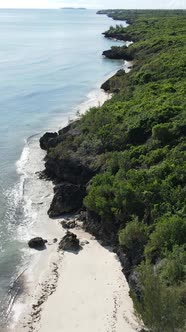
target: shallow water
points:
(50, 62)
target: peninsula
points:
(72, 8)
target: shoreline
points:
(74, 284)
(46, 260)
(73, 162)
(40, 202)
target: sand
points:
(64, 291)
(91, 294)
(84, 292)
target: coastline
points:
(48, 278)
(105, 221)
(84, 297)
(36, 204)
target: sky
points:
(128, 4)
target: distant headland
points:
(72, 8)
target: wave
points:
(29, 198)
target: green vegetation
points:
(160, 306)
(136, 141)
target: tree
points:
(160, 307)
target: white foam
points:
(21, 163)
(35, 194)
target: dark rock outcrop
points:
(69, 242)
(71, 129)
(48, 140)
(37, 243)
(68, 197)
(106, 86)
(112, 84)
(51, 140)
(119, 53)
(134, 283)
(124, 262)
(125, 36)
(68, 224)
(106, 232)
(68, 169)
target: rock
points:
(68, 197)
(120, 72)
(119, 53)
(68, 224)
(84, 242)
(106, 231)
(55, 240)
(46, 140)
(69, 169)
(112, 84)
(134, 283)
(125, 35)
(69, 242)
(71, 129)
(37, 243)
(124, 262)
(83, 216)
(106, 85)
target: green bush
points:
(134, 232)
(160, 307)
(172, 268)
(169, 231)
(162, 133)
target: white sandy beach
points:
(79, 292)
(64, 291)
(91, 294)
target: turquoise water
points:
(49, 62)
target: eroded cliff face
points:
(67, 169)
(71, 173)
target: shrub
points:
(169, 231)
(160, 307)
(162, 133)
(134, 232)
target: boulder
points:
(120, 72)
(47, 140)
(37, 243)
(69, 242)
(68, 198)
(83, 243)
(82, 216)
(106, 85)
(68, 224)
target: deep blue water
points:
(49, 61)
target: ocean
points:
(51, 65)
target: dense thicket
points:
(136, 144)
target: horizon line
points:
(100, 8)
